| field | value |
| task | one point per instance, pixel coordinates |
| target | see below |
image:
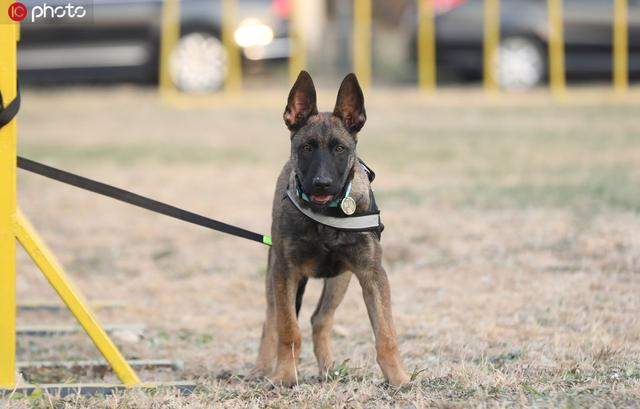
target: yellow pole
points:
(426, 45)
(54, 273)
(362, 41)
(556, 48)
(298, 57)
(8, 39)
(170, 34)
(491, 44)
(621, 47)
(233, 78)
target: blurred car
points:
(120, 40)
(588, 34)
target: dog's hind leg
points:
(322, 319)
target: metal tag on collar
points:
(348, 205)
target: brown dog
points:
(322, 172)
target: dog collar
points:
(341, 208)
(364, 222)
(343, 201)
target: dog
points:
(322, 167)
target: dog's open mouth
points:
(321, 199)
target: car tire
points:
(521, 63)
(198, 63)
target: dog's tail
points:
(301, 286)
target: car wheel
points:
(198, 63)
(521, 64)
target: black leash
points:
(7, 113)
(137, 200)
(11, 110)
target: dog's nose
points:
(322, 182)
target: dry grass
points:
(512, 243)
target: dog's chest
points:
(329, 252)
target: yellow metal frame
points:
(621, 46)
(233, 78)
(557, 80)
(427, 76)
(297, 43)
(491, 45)
(169, 36)
(55, 274)
(14, 225)
(8, 39)
(362, 41)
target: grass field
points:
(512, 243)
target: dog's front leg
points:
(377, 297)
(269, 339)
(285, 284)
(322, 319)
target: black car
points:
(120, 39)
(588, 33)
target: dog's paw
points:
(398, 379)
(258, 373)
(284, 378)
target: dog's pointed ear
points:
(350, 104)
(301, 103)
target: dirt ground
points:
(512, 244)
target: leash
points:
(11, 110)
(138, 200)
(8, 112)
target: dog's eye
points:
(307, 148)
(340, 149)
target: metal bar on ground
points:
(427, 67)
(94, 364)
(169, 37)
(34, 305)
(62, 390)
(233, 78)
(8, 81)
(491, 57)
(557, 79)
(297, 43)
(54, 273)
(621, 46)
(362, 41)
(50, 330)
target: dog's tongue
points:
(322, 199)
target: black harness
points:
(333, 215)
